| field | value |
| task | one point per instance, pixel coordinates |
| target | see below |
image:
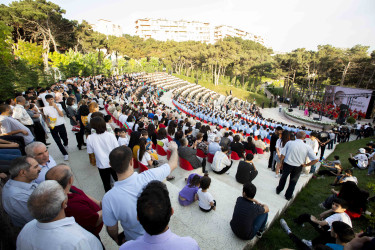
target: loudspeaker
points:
(290, 110)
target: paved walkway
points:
(210, 230)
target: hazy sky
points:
(284, 24)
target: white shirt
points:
(220, 161)
(9, 124)
(42, 175)
(58, 235)
(19, 113)
(350, 178)
(146, 157)
(204, 199)
(120, 203)
(43, 97)
(122, 118)
(314, 144)
(295, 153)
(123, 141)
(101, 145)
(54, 118)
(362, 160)
(338, 217)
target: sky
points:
(285, 25)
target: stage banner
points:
(336, 96)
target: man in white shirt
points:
(51, 229)
(222, 162)
(20, 114)
(120, 203)
(56, 123)
(39, 152)
(360, 160)
(10, 126)
(293, 158)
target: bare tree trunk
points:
(344, 74)
(370, 80)
(45, 53)
(361, 79)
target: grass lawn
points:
(315, 192)
(224, 90)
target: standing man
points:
(275, 136)
(293, 158)
(20, 114)
(56, 123)
(324, 139)
(120, 203)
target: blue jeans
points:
(259, 224)
(371, 168)
(9, 154)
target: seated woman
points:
(187, 194)
(237, 147)
(355, 197)
(162, 139)
(246, 171)
(222, 162)
(249, 145)
(144, 155)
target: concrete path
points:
(210, 230)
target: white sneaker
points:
(307, 243)
(276, 175)
(66, 157)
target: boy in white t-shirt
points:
(323, 227)
(56, 123)
(206, 200)
(123, 139)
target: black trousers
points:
(40, 134)
(353, 162)
(105, 175)
(59, 133)
(16, 139)
(270, 161)
(324, 235)
(294, 173)
(322, 149)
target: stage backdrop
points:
(336, 96)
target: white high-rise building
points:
(107, 28)
(163, 30)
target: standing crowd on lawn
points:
(124, 126)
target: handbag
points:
(76, 128)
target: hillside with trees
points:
(39, 46)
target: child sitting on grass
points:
(206, 200)
(323, 226)
(331, 168)
(347, 175)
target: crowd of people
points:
(123, 125)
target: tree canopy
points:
(36, 35)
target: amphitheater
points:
(210, 230)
